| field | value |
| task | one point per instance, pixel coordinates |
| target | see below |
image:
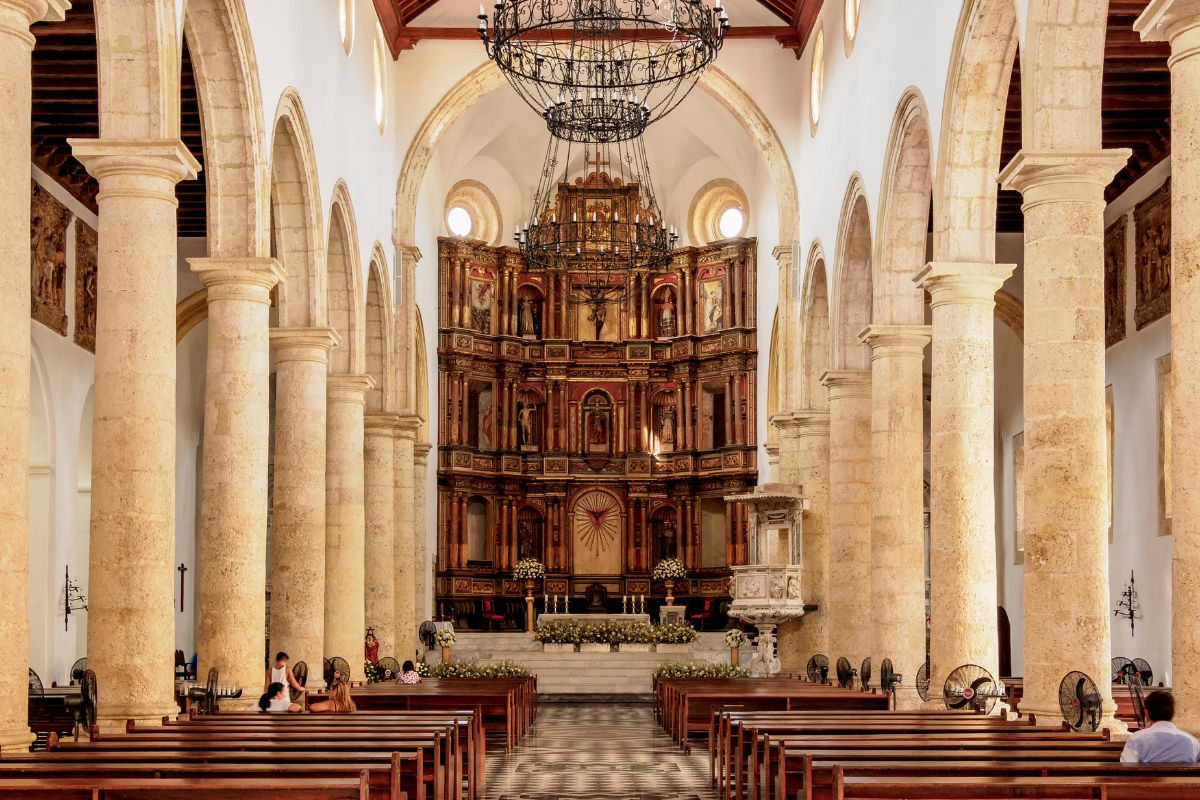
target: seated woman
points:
(276, 701)
(409, 674)
(339, 702)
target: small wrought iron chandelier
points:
(592, 245)
(603, 70)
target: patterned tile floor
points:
(605, 752)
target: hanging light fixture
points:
(602, 70)
(599, 231)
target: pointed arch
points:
(815, 349)
(852, 282)
(486, 78)
(297, 239)
(380, 333)
(346, 301)
(236, 177)
(902, 236)
(138, 57)
(972, 131)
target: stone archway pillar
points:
(405, 564)
(297, 622)
(131, 593)
(1066, 488)
(1178, 21)
(345, 521)
(16, 47)
(422, 566)
(898, 498)
(232, 540)
(962, 568)
(380, 510)
(849, 599)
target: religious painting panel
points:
(48, 222)
(1018, 488)
(596, 524)
(714, 533)
(482, 294)
(1166, 400)
(712, 305)
(1152, 224)
(1114, 281)
(85, 286)
(487, 421)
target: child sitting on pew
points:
(276, 701)
(1161, 742)
(339, 702)
(409, 674)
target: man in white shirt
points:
(1161, 742)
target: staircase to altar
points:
(594, 676)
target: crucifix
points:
(599, 162)
(181, 569)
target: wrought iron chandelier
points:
(603, 70)
(594, 237)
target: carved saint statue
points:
(371, 646)
(598, 428)
(666, 425)
(666, 315)
(526, 317)
(525, 541)
(666, 541)
(525, 418)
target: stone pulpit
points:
(767, 589)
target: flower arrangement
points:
(735, 638)
(699, 670)
(445, 637)
(676, 633)
(572, 632)
(374, 672)
(423, 668)
(470, 669)
(670, 569)
(529, 569)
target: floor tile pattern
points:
(600, 751)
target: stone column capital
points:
(421, 452)
(407, 426)
(303, 344)
(847, 383)
(963, 283)
(782, 253)
(136, 167)
(1048, 176)
(1166, 21)
(349, 388)
(890, 341)
(17, 15)
(249, 279)
(812, 422)
(381, 423)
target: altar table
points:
(619, 619)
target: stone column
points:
(405, 564)
(131, 589)
(232, 531)
(962, 567)
(345, 523)
(1066, 484)
(849, 600)
(423, 572)
(1178, 21)
(16, 45)
(898, 498)
(380, 510)
(806, 433)
(297, 624)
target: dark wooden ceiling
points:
(1136, 107)
(397, 17)
(66, 106)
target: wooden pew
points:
(998, 787)
(185, 788)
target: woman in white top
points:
(275, 700)
(281, 672)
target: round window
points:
(731, 222)
(459, 221)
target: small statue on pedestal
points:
(666, 316)
(371, 646)
(525, 419)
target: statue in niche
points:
(598, 429)
(666, 426)
(525, 543)
(525, 417)
(666, 315)
(527, 318)
(597, 424)
(666, 541)
(48, 221)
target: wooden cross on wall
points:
(182, 568)
(599, 162)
